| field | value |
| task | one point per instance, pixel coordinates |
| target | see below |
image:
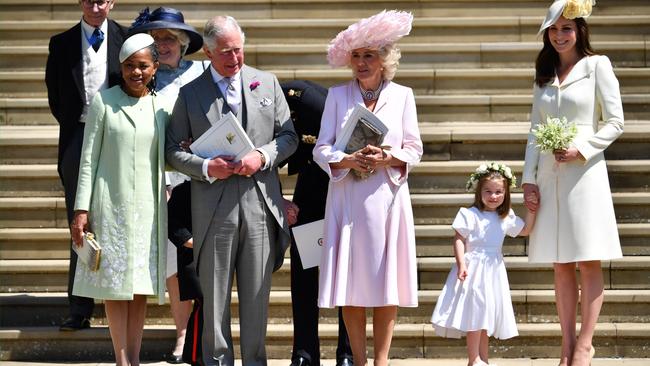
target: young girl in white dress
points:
(476, 298)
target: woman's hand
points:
(355, 161)
(376, 157)
(531, 196)
(567, 155)
(78, 227)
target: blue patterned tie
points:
(96, 39)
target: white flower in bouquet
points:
(555, 134)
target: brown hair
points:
(504, 208)
(548, 59)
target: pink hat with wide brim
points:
(376, 31)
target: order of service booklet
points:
(309, 239)
(225, 137)
(362, 128)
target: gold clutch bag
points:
(90, 252)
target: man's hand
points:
(249, 164)
(221, 167)
(291, 210)
(78, 227)
(189, 243)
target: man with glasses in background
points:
(82, 61)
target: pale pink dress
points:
(368, 256)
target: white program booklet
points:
(362, 128)
(309, 239)
(225, 137)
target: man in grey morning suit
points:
(238, 221)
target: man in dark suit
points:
(238, 219)
(306, 102)
(81, 61)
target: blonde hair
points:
(390, 56)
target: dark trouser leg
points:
(343, 349)
(304, 306)
(79, 306)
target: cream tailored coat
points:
(576, 220)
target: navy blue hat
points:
(166, 18)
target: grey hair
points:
(180, 35)
(217, 27)
(390, 56)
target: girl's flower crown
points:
(485, 169)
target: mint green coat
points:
(121, 185)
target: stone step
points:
(37, 309)
(307, 9)
(432, 239)
(630, 272)
(409, 341)
(428, 209)
(425, 81)
(433, 108)
(524, 361)
(29, 144)
(41, 180)
(425, 29)
(414, 55)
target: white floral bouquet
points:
(485, 169)
(555, 134)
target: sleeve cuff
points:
(204, 170)
(266, 159)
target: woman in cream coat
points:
(121, 197)
(575, 221)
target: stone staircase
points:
(470, 63)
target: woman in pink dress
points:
(369, 256)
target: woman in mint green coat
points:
(121, 197)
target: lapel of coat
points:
(250, 100)
(115, 40)
(209, 98)
(383, 97)
(76, 68)
(129, 110)
(580, 71)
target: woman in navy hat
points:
(174, 39)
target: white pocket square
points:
(266, 102)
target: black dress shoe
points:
(300, 361)
(344, 362)
(174, 359)
(75, 322)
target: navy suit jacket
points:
(64, 77)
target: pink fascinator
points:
(376, 31)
